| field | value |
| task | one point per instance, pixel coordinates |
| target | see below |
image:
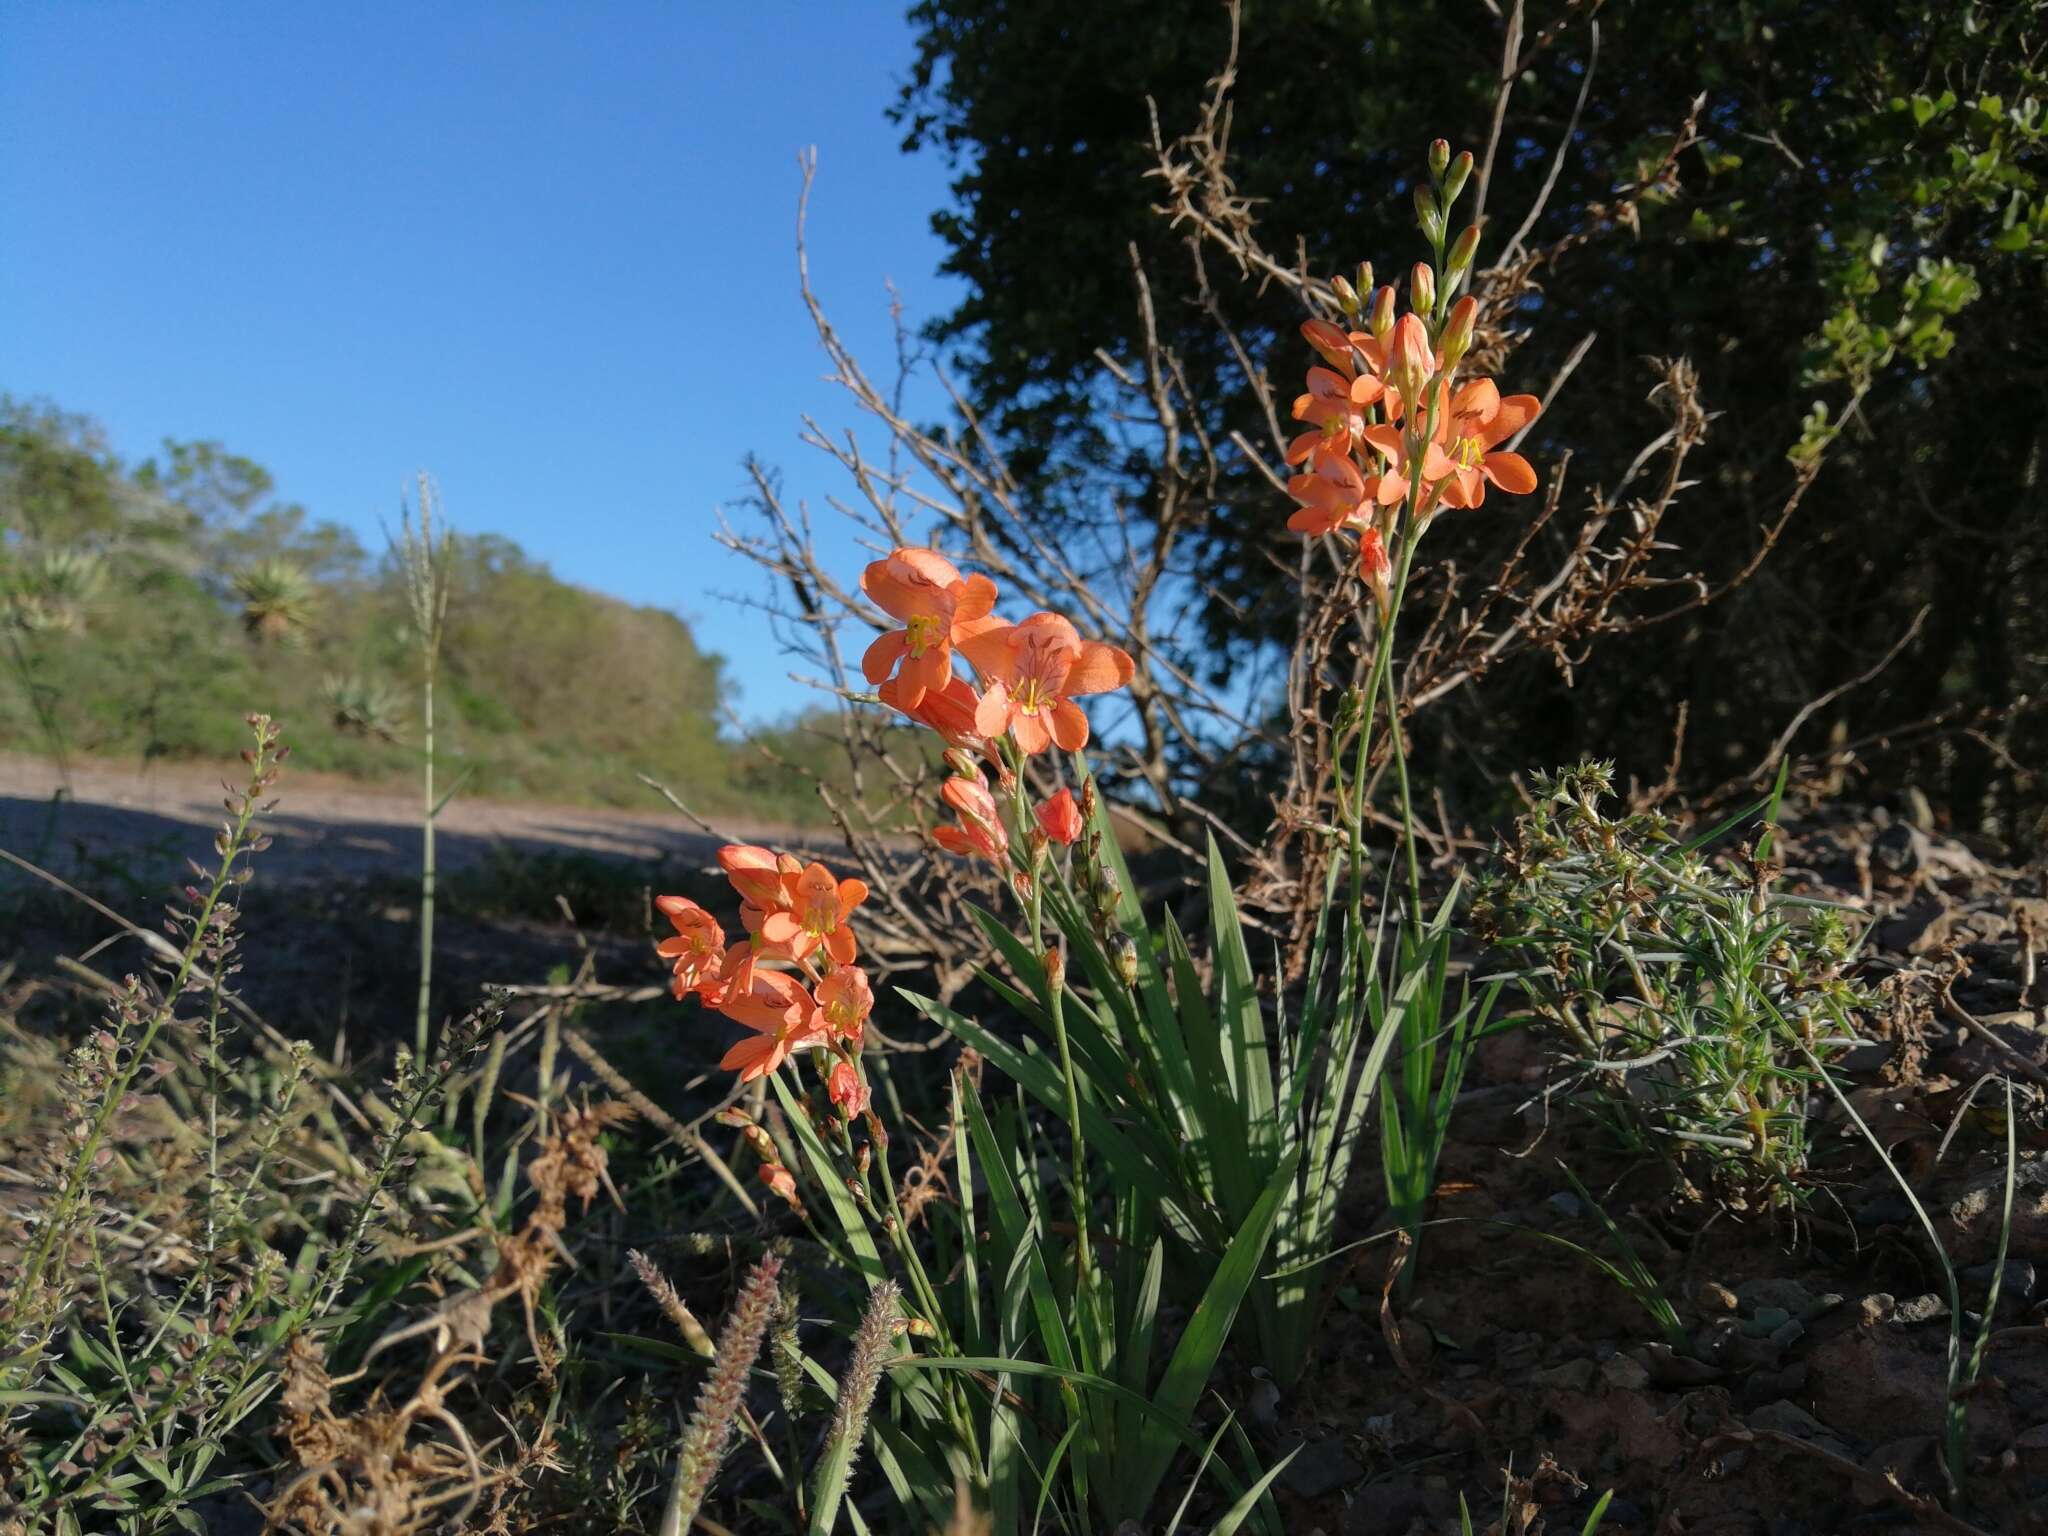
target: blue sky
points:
(544, 252)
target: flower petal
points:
(1511, 472)
(992, 714)
(1069, 725)
(1515, 413)
(1099, 668)
(882, 656)
(977, 595)
(992, 652)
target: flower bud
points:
(1035, 844)
(1125, 953)
(1439, 156)
(1383, 314)
(1454, 183)
(1458, 330)
(1411, 359)
(1422, 288)
(1461, 255)
(963, 764)
(1376, 568)
(1056, 969)
(1428, 217)
(1347, 296)
(1060, 819)
(1363, 282)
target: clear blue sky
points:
(543, 251)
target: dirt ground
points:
(1809, 1400)
(325, 827)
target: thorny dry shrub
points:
(1590, 564)
(390, 1468)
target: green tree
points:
(1860, 220)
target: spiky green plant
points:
(52, 590)
(277, 600)
(361, 706)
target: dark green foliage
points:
(1862, 220)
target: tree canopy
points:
(1847, 246)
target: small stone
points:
(1517, 1351)
(1820, 1306)
(1915, 1310)
(1572, 1376)
(1320, 1467)
(1667, 1368)
(1566, 1204)
(1624, 1373)
(1714, 1297)
(1787, 1296)
(1769, 1386)
(1884, 1211)
(1901, 848)
(1788, 1418)
(1714, 1342)
(2015, 1285)
(1768, 1320)
(1790, 1332)
(1877, 1308)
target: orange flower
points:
(1466, 461)
(844, 1002)
(756, 873)
(815, 915)
(1035, 670)
(1336, 406)
(777, 1008)
(939, 609)
(948, 710)
(1060, 819)
(847, 1092)
(1331, 493)
(791, 907)
(1390, 486)
(981, 825)
(698, 948)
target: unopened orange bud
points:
(1412, 358)
(1376, 568)
(1347, 296)
(1383, 314)
(1458, 329)
(1454, 183)
(1055, 969)
(1422, 288)
(1439, 156)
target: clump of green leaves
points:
(1692, 1002)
